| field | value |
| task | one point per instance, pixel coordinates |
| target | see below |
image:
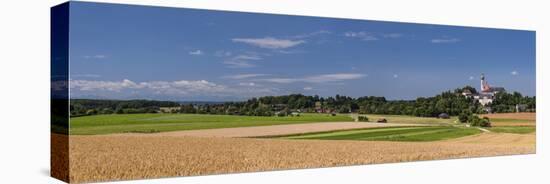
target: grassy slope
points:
(392, 134)
(120, 123)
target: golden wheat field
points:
(121, 157)
(200, 152)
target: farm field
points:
(135, 156)
(513, 129)
(411, 119)
(512, 119)
(151, 123)
(154, 123)
(392, 134)
(164, 145)
(279, 130)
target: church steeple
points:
(482, 86)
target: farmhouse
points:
(487, 93)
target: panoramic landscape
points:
(161, 92)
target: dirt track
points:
(278, 129)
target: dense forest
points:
(450, 102)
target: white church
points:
(487, 93)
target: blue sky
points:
(138, 52)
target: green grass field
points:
(391, 134)
(149, 123)
(514, 129)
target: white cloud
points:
(395, 76)
(318, 78)
(98, 56)
(445, 40)
(244, 76)
(514, 72)
(247, 84)
(307, 88)
(166, 89)
(280, 80)
(242, 61)
(196, 52)
(312, 34)
(163, 87)
(247, 57)
(269, 42)
(88, 85)
(333, 77)
(471, 78)
(392, 35)
(365, 36)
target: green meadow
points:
(514, 129)
(149, 123)
(391, 134)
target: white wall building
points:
(487, 93)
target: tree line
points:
(450, 102)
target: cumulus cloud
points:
(196, 52)
(269, 42)
(164, 87)
(318, 78)
(514, 72)
(178, 89)
(445, 40)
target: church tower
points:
(482, 86)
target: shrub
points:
(481, 122)
(463, 117)
(363, 118)
(485, 122)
